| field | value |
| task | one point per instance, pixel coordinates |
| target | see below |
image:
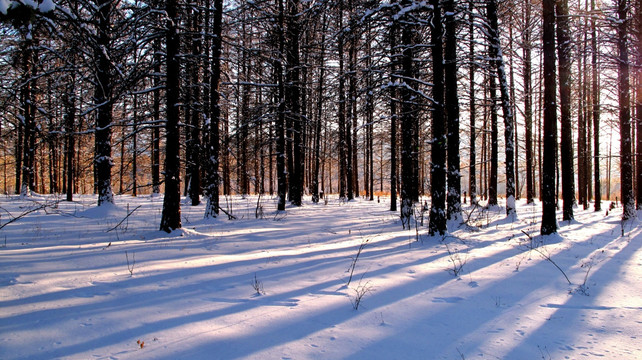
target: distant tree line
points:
(443, 99)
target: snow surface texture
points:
(81, 282)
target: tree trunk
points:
(213, 177)
(437, 222)
(280, 122)
(104, 102)
(596, 113)
(549, 222)
(407, 120)
(319, 116)
(452, 109)
(293, 102)
(171, 215)
(194, 146)
(494, 142)
(528, 109)
(156, 113)
(69, 101)
(626, 158)
(472, 174)
(566, 143)
(509, 138)
(343, 162)
(393, 117)
(638, 105)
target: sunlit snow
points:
(82, 282)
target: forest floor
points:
(81, 282)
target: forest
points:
(320, 179)
(440, 100)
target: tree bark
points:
(213, 176)
(626, 158)
(393, 116)
(104, 102)
(293, 102)
(472, 174)
(452, 109)
(566, 143)
(171, 215)
(437, 224)
(509, 138)
(528, 100)
(549, 222)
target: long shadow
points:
(568, 317)
(280, 333)
(194, 290)
(243, 346)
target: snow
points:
(79, 281)
(44, 5)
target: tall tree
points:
(314, 186)
(341, 116)
(472, 174)
(596, 111)
(452, 109)
(193, 116)
(566, 143)
(213, 176)
(437, 224)
(494, 142)
(626, 158)
(549, 221)
(528, 100)
(507, 109)
(638, 105)
(171, 215)
(103, 98)
(293, 101)
(280, 121)
(407, 117)
(392, 40)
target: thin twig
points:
(125, 218)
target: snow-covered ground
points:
(80, 282)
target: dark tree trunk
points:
(280, 122)
(213, 177)
(437, 224)
(319, 116)
(566, 142)
(293, 102)
(18, 155)
(507, 109)
(393, 118)
(343, 162)
(549, 221)
(171, 216)
(407, 121)
(69, 101)
(452, 109)
(135, 148)
(528, 109)
(28, 121)
(596, 113)
(494, 143)
(194, 146)
(103, 100)
(626, 158)
(638, 105)
(353, 119)
(472, 175)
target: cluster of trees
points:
(355, 97)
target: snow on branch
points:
(43, 6)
